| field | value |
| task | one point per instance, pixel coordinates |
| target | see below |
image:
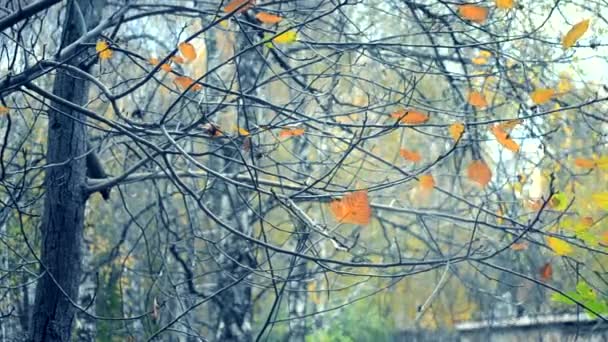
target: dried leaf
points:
(584, 163)
(575, 33)
(559, 246)
(479, 172)
(476, 99)
(3, 110)
(410, 155)
(291, 132)
(542, 95)
(456, 131)
(410, 116)
(234, 4)
(503, 138)
(519, 246)
(353, 208)
(473, 13)
(184, 82)
(187, 50)
(103, 49)
(546, 272)
(268, 18)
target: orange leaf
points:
(504, 139)
(473, 13)
(410, 116)
(476, 99)
(268, 18)
(184, 82)
(234, 4)
(165, 67)
(410, 155)
(291, 132)
(188, 51)
(546, 272)
(479, 172)
(456, 130)
(519, 246)
(427, 182)
(178, 59)
(575, 33)
(507, 126)
(587, 221)
(353, 208)
(584, 163)
(542, 95)
(3, 110)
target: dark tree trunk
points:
(63, 216)
(235, 307)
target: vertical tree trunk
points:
(63, 216)
(235, 307)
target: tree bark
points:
(63, 216)
(235, 306)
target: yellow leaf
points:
(542, 95)
(188, 51)
(456, 131)
(243, 131)
(564, 85)
(473, 13)
(575, 33)
(479, 60)
(602, 163)
(476, 99)
(504, 4)
(3, 110)
(268, 18)
(485, 54)
(601, 199)
(103, 49)
(286, 37)
(559, 246)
